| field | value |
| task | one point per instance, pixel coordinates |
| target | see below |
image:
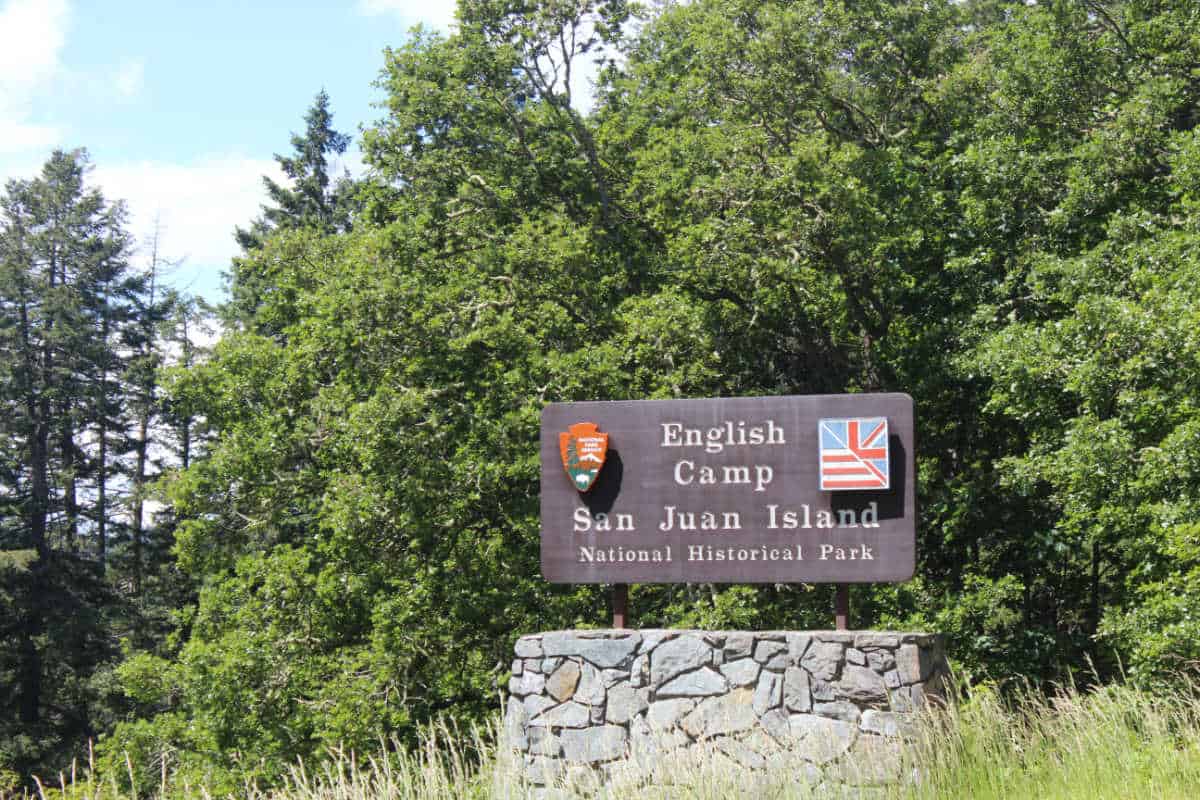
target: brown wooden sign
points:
(815, 488)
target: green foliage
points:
(315, 200)
(82, 569)
(988, 205)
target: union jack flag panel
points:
(854, 453)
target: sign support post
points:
(620, 603)
(841, 607)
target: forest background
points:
(991, 206)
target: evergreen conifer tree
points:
(66, 297)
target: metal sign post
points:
(620, 603)
(841, 607)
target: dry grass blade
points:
(1108, 743)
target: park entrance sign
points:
(814, 488)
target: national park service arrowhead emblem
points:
(583, 448)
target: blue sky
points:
(182, 104)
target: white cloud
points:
(437, 14)
(197, 206)
(32, 33)
(130, 76)
(19, 136)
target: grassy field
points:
(1114, 742)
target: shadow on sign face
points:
(891, 501)
(608, 485)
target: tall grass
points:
(1109, 742)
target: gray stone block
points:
(515, 719)
(602, 743)
(699, 683)
(797, 690)
(741, 753)
(891, 679)
(591, 686)
(542, 770)
(872, 761)
(886, 641)
(881, 661)
(767, 650)
(768, 693)
(518, 666)
(900, 700)
(919, 639)
(548, 665)
(677, 656)
(824, 660)
(624, 703)
(639, 673)
(602, 652)
(854, 656)
(536, 704)
(798, 644)
(723, 715)
(919, 697)
(823, 691)
(611, 677)
(819, 739)
(738, 645)
(663, 714)
(743, 672)
(647, 742)
(862, 685)
(778, 663)
(543, 742)
(528, 647)
(760, 742)
(583, 780)
(775, 722)
(914, 663)
(568, 715)
(838, 637)
(839, 709)
(652, 639)
(526, 683)
(886, 723)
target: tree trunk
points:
(30, 662)
(102, 493)
(1095, 588)
(30, 659)
(185, 436)
(102, 456)
(70, 496)
(145, 413)
(139, 504)
(39, 485)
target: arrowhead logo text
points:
(583, 448)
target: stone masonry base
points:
(585, 705)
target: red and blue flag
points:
(854, 453)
